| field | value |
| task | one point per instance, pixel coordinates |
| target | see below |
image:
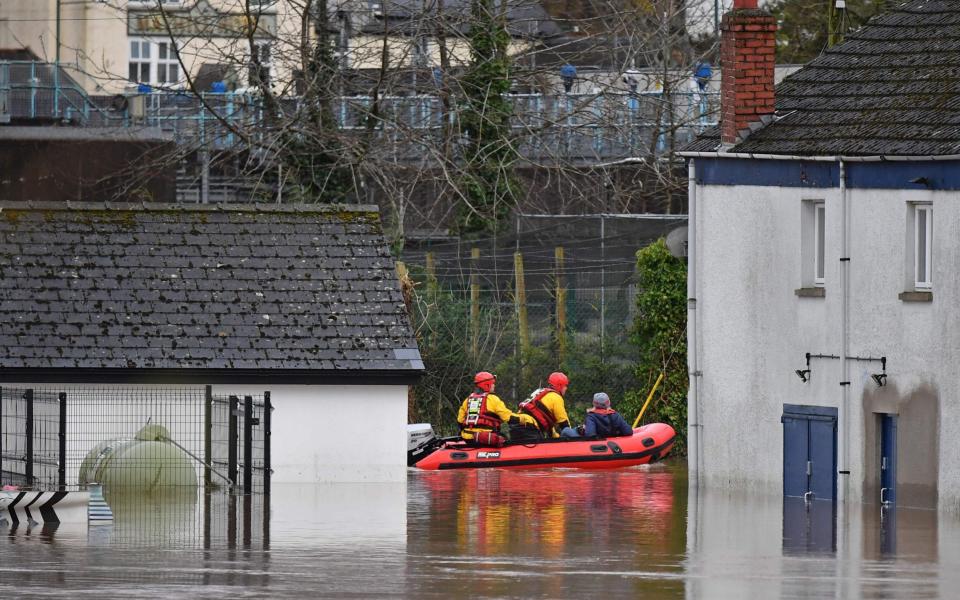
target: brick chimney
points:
(747, 46)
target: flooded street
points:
(498, 534)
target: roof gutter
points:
(173, 376)
(835, 158)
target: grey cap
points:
(601, 400)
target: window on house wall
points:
(819, 242)
(139, 66)
(922, 245)
(813, 220)
(261, 73)
(168, 67)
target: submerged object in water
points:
(149, 461)
(648, 444)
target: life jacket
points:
(540, 413)
(601, 411)
(477, 415)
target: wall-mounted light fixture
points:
(881, 378)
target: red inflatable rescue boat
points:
(648, 444)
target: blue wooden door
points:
(809, 452)
(888, 459)
(823, 457)
(795, 451)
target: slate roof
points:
(200, 290)
(891, 88)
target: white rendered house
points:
(824, 253)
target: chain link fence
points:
(560, 295)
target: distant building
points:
(112, 47)
(824, 253)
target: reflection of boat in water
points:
(649, 443)
(524, 512)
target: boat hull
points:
(648, 444)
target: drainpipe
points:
(693, 392)
(843, 450)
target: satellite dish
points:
(677, 242)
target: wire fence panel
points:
(239, 442)
(143, 439)
(30, 439)
(179, 466)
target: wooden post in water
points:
(474, 304)
(560, 295)
(520, 297)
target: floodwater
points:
(635, 533)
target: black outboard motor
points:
(421, 441)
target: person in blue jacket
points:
(603, 421)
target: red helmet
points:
(484, 380)
(558, 380)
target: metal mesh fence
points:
(142, 439)
(179, 466)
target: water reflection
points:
(809, 527)
(545, 533)
(495, 534)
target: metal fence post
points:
(247, 445)
(62, 461)
(28, 469)
(232, 440)
(267, 409)
(207, 433)
(1, 435)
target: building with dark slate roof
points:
(825, 222)
(302, 301)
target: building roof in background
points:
(155, 288)
(892, 88)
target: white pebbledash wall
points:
(753, 330)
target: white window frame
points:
(158, 68)
(164, 64)
(264, 50)
(819, 243)
(923, 246)
(136, 47)
(813, 225)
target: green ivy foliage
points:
(487, 187)
(659, 332)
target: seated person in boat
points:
(602, 421)
(482, 413)
(546, 407)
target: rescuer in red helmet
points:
(482, 413)
(546, 407)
